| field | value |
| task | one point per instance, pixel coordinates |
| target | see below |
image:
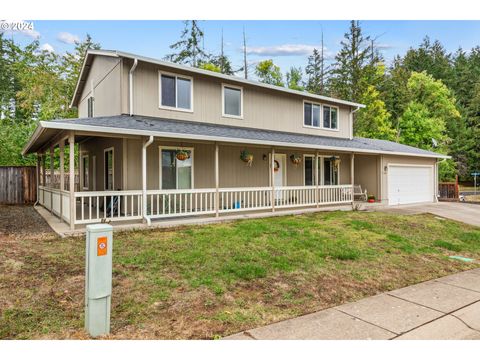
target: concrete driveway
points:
(447, 308)
(464, 212)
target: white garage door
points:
(410, 184)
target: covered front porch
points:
(140, 179)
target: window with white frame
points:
(232, 101)
(176, 91)
(309, 170)
(108, 168)
(311, 114)
(85, 175)
(330, 170)
(176, 168)
(330, 117)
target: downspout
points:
(351, 121)
(130, 85)
(144, 180)
(437, 174)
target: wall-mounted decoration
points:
(247, 157)
(182, 154)
(336, 161)
(296, 159)
(276, 166)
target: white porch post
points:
(71, 165)
(272, 172)
(352, 173)
(317, 181)
(51, 176)
(146, 143)
(217, 182)
(39, 164)
(62, 175)
(44, 169)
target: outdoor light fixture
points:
(264, 157)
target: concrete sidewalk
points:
(445, 308)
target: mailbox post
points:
(98, 279)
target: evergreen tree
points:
(190, 50)
(317, 73)
(348, 74)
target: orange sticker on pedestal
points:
(102, 246)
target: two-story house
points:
(159, 140)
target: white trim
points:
(192, 178)
(320, 115)
(314, 163)
(234, 87)
(338, 117)
(284, 180)
(116, 53)
(94, 172)
(84, 156)
(321, 126)
(113, 168)
(176, 76)
(122, 131)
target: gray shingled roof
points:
(143, 123)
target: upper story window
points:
(330, 117)
(90, 103)
(232, 101)
(176, 92)
(311, 114)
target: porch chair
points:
(357, 192)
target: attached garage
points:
(408, 184)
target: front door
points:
(279, 174)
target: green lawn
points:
(214, 280)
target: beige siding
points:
(405, 160)
(263, 108)
(96, 147)
(367, 173)
(106, 76)
(233, 171)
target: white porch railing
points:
(241, 199)
(127, 205)
(95, 206)
(169, 203)
(55, 200)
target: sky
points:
(288, 43)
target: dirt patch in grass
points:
(214, 280)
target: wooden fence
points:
(18, 185)
(448, 191)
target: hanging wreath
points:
(296, 159)
(335, 161)
(276, 165)
(247, 157)
(182, 154)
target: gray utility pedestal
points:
(98, 279)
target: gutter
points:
(351, 119)
(124, 131)
(144, 180)
(130, 85)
